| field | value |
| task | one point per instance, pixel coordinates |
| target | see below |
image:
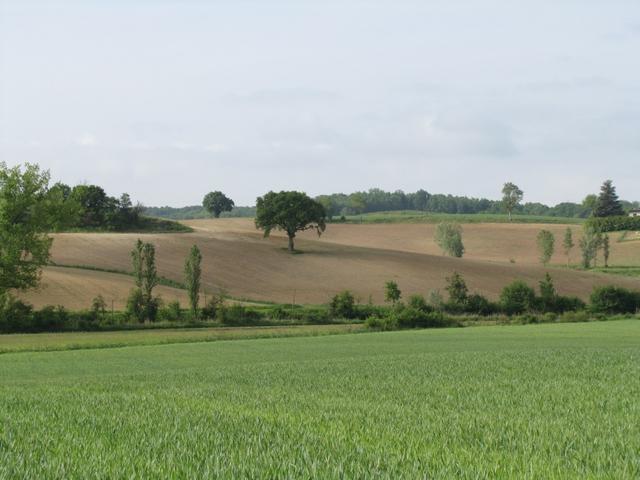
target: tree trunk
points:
(291, 243)
(509, 215)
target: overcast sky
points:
(169, 99)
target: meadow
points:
(415, 216)
(536, 401)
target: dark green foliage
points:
(98, 308)
(614, 224)
(238, 315)
(409, 317)
(343, 305)
(611, 299)
(210, 310)
(26, 213)
(192, 278)
(480, 305)
(217, 202)
(141, 304)
(457, 289)
(290, 212)
(392, 293)
(136, 305)
(171, 312)
(608, 204)
(418, 302)
(518, 297)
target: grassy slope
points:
(414, 216)
(547, 401)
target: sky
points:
(170, 99)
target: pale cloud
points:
(325, 96)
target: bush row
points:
(614, 224)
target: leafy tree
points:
(448, 236)
(392, 292)
(606, 250)
(590, 203)
(343, 305)
(420, 200)
(511, 197)
(567, 244)
(192, 275)
(291, 212)
(608, 204)
(95, 205)
(142, 304)
(26, 213)
(589, 245)
(546, 245)
(518, 297)
(547, 293)
(98, 307)
(65, 211)
(216, 203)
(457, 289)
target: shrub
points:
(614, 224)
(172, 312)
(343, 305)
(382, 323)
(49, 318)
(448, 236)
(611, 299)
(98, 308)
(479, 305)
(210, 310)
(15, 315)
(518, 297)
(136, 305)
(392, 293)
(237, 315)
(457, 289)
(418, 302)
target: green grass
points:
(413, 216)
(628, 271)
(539, 401)
(36, 342)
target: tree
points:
(217, 202)
(548, 293)
(392, 292)
(142, 304)
(568, 244)
(606, 250)
(589, 245)
(608, 204)
(26, 214)
(511, 197)
(290, 212)
(192, 276)
(589, 203)
(457, 288)
(420, 199)
(546, 245)
(95, 205)
(518, 297)
(448, 236)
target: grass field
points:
(415, 216)
(34, 342)
(544, 401)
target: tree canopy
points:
(217, 202)
(26, 213)
(511, 197)
(290, 212)
(608, 204)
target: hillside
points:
(358, 257)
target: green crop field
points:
(414, 216)
(537, 401)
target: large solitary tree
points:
(217, 202)
(26, 211)
(608, 204)
(511, 197)
(290, 212)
